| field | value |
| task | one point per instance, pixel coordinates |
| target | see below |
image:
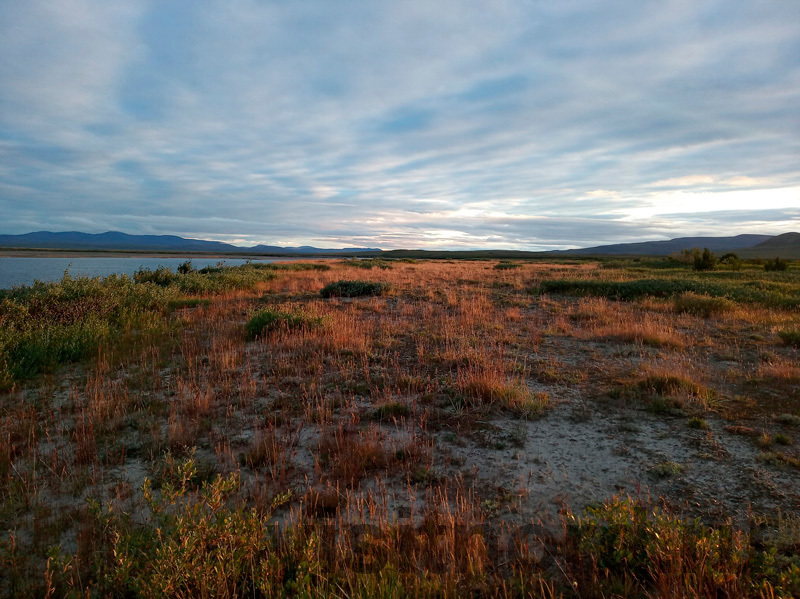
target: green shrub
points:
(790, 337)
(161, 276)
(698, 423)
(507, 265)
(781, 439)
(702, 305)
(354, 289)
(273, 320)
(777, 264)
(667, 469)
(705, 261)
(731, 261)
(185, 268)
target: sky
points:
(446, 124)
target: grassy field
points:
(403, 428)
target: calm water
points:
(24, 271)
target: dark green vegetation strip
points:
(771, 293)
(354, 289)
(212, 279)
(369, 263)
(507, 265)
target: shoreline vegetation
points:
(399, 427)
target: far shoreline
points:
(55, 253)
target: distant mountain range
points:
(114, 240)
(665, 248)
(786, 245)
(747, 246)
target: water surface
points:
(25, 270)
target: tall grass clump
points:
(354, 289)
(702, 305)
(622, 547)
(268, 320)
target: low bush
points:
(354, 289)
(731, 261)
(161, 276)
(666, 469)
(777, 264)
(185, 268)
(698, 423)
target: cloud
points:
(450, 123)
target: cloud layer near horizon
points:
(401, 124)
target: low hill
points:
(667, 247)
(786, 245)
